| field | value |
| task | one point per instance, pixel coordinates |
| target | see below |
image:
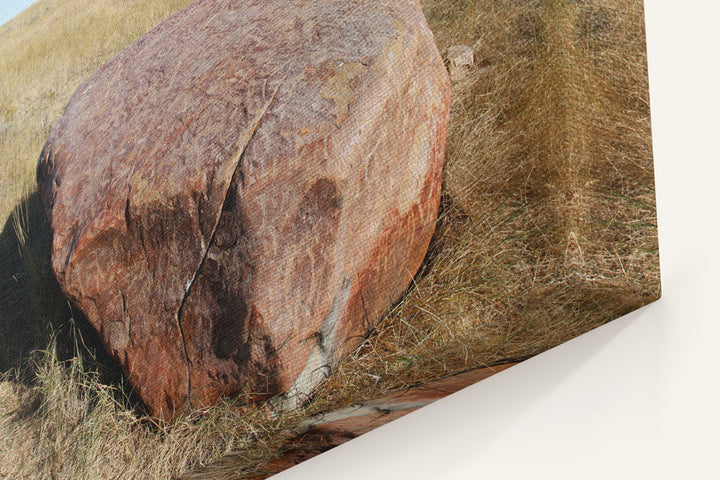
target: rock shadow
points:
(33, 309)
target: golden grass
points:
(548, 230)
(45, 53)
(71, 425)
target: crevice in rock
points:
(366, 318)
(126, 314)
(127, 209)
(236, 161)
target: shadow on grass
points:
(33, 309)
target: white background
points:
(638, 398)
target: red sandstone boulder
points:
(240, 195)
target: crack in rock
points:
(235, 162)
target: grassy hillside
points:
(45, 52)
(547, 230)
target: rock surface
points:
(240, 195)
(460, 59)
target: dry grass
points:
(548, 229)
(45, 53)
(71, 425)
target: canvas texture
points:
(239, 233)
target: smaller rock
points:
(324, 431)
(459, 59)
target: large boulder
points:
(240, 195)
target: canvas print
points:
(239, 233)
